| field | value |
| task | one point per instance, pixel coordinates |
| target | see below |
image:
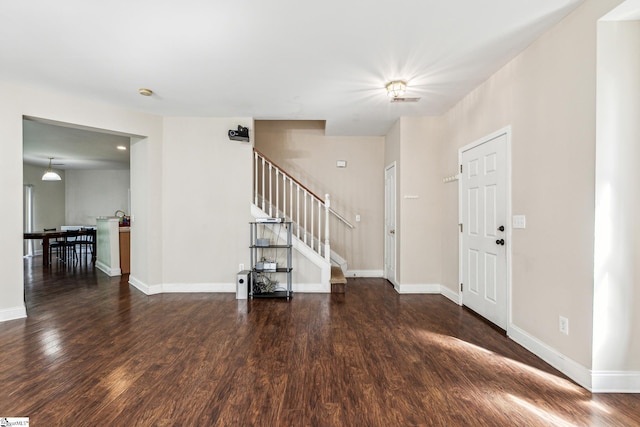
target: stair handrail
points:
(301, 185)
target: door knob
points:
(392, 231)
(500, 242)
(501, 228)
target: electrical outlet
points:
(241, 267)
(564, 325)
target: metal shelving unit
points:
(270, 259)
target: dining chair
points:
(85, 240)
(61, 246)
(54, 245)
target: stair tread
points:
(337, 277)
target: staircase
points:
(338, 281)
(278, 194)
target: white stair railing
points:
(280, 195)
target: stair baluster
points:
(311, 224)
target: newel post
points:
(327, 246)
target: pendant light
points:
(49, 174)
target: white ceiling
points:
(279, 59)
(72, 147)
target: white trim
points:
(108, 270)
(180, 288)
(418, 289)
(385, 273)
(450, 294)
(364, 273)
(13, 313)
(507, 132)
(311, 288)
(143, 287)
(567, 366)
(615, 382)
(428, 289)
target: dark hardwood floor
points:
(96, 352)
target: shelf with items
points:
(270, 260)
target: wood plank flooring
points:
(95, 351)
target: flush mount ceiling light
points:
(121, 148)
(49, 174)
(396, 88)
(145, 92)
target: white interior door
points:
(484, 243)
(390, 223)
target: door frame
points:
(393, 280)
(508, 223)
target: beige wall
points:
(302, 149)
(206, 185)
(616, 327)
(547, 95)
(419, 198)
(414, 144)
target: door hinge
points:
(461, 287)
(460, 168)
(461, 227)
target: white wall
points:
(48, 198)
(616, 341)
(93, 193)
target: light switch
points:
(519, 221)
(357, 218)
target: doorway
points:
(485, 246)
(96, 179)
(390, 223)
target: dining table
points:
(46, 236)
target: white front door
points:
(484, 243)
(390, 223)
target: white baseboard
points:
(13, 313)
(175, 288)
(615, 382)
(213, 287)
(434, 288)
(452, 295)
(179, 288)
(108, 270)
(311, 288)
(364, 273)
(143, 287)
(567, 366)
(418, 289)
(594, 381)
